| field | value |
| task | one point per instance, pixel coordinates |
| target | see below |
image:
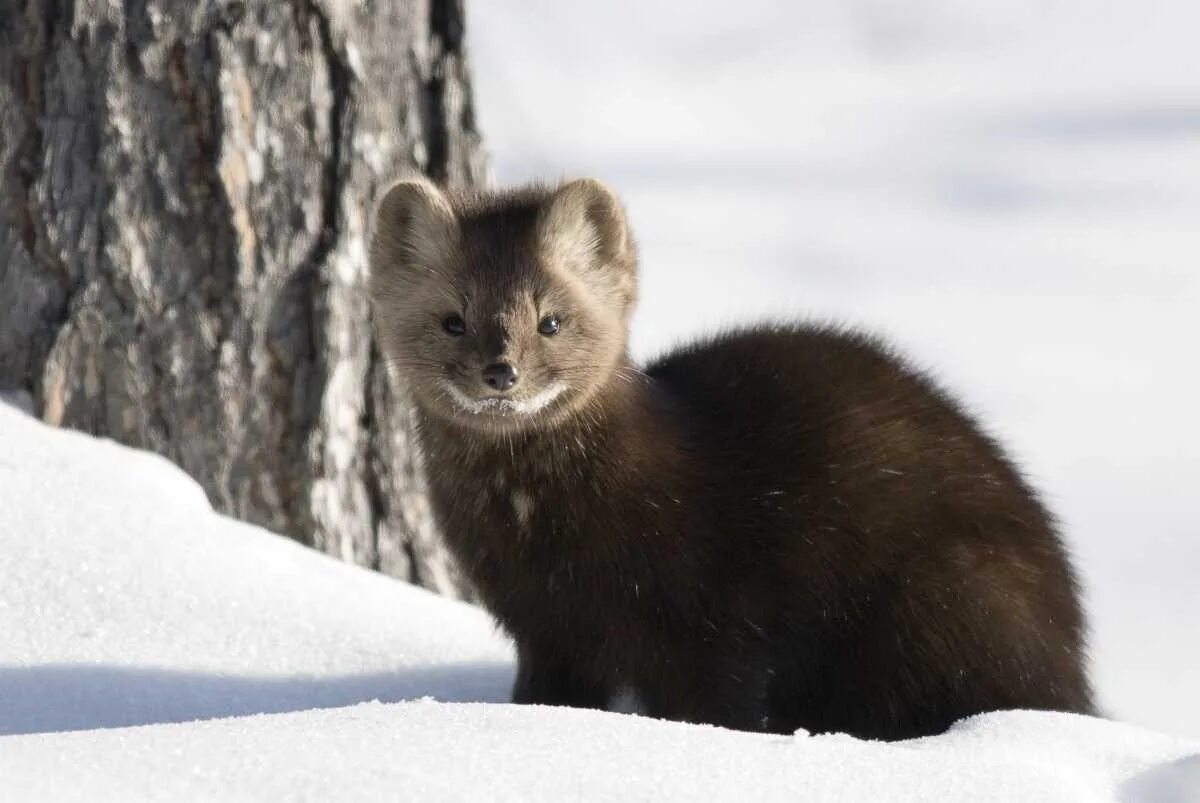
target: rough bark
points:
(184, 200)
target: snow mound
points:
(429, 751)
(126, 601)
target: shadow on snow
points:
(65, 697)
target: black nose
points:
(500, 375)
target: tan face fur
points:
(503, 264)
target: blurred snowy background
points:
(1010, 190)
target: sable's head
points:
(502, 311)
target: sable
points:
(774, 528)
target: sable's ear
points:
(582, 227)
(415, 229)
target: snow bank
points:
(126, 600)
(429, 751)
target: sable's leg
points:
(544, 680)
(738, 701)
(728, 693)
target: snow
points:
(429, 751)
(1011, 190)
(127, 601)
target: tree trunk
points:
(184, 204)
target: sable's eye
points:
(548, 326)
(454, 325)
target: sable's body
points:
(776, 529)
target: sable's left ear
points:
(582, 227)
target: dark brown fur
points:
(776, 528)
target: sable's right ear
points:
(415, 229)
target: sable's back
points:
(785, 381)
(841, 414)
